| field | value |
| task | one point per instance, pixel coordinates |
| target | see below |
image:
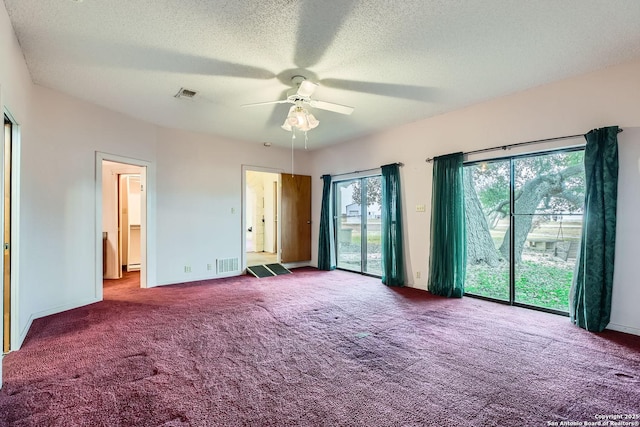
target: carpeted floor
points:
(315, 349)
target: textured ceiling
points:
(394, 61)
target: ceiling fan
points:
(298, 116)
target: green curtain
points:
(326, 253)
(392, 240)
(590, 306)
(447, 264)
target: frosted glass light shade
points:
(301, 119)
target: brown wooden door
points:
(295, 218)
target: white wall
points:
(200, 199)
(15, 97)
(577, 105)
(625, 315)
(255, 199)
(268, 180)
(58, 199)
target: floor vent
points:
(226, 265)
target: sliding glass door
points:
(486, 187)
(524, 217)
(357, 224)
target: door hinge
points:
(6, 246)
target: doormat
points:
(268, 270)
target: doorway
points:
(261, 216)
(129, 208)
(124, 207)
(6, 232)
(358, 224)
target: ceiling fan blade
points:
(418, 93)
(330, 106)
(317, 27)
(278, 114)
(255, 104)
(306, 88)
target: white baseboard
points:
(180, 280)
(623, 328)
(15, 345)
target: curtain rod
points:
(509, 146)
(364, 170)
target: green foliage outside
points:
(373, 189)
(542, 284)
(543, 277)
(350, 247)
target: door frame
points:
(124, 176)
(15, 226)
(363, 215)
(147, 226)
(512, 229)
(243, 210)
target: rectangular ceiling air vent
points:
(185, 93)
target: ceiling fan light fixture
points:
(312, 121)
(300, 119)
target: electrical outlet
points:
(187, 269)
(209, 267)
(418, 275)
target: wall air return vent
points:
(226, 265)
(185, 93)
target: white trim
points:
(181, 280)
(54, 310)
(148, 220)
(622, 328)
(15, 341)
(1, 261)
(243, 220)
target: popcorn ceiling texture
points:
(417, 58)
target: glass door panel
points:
(486, 187)
(548, 208)
(544, 274)
(373, 192)
(348, 225)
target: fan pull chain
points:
(306, 140)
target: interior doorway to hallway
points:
(261, 216)
(123, 220)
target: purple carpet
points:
(315, 349)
